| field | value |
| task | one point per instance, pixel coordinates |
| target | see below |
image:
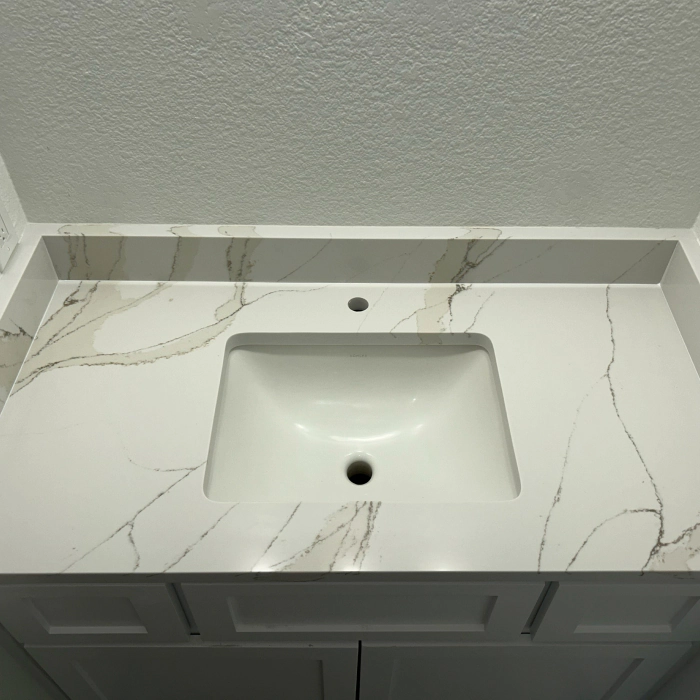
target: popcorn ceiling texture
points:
(499, 112)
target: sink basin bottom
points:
(382, 420)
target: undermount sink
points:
(373, 417)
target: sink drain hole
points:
(359, 472)
(358, 304)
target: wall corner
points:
(12, 218)
(695, 228)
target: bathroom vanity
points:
(348, 463)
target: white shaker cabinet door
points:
(620, 612)
(524, 671)
(493, 611)
(260, 672)
(92, 613)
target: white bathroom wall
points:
(501, 112)
(12, 218)
(9, 201)
(696, 227)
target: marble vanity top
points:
(105, 435)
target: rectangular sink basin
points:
(333, 418)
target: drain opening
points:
(358, 304)
(359, 473)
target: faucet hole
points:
(358, 304)
(359, 472)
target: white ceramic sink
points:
(309, 418)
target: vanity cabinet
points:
(462, 611)
(263, 672)
(399, 640)
(524, 671)
(93, 613)
(597, 612)
(398, 671)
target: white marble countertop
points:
(105, 436)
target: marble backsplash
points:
(320, 255)
(241, 253)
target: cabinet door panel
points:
(581, 612)
(524, 671)
(468, 611)
(685, 683)
(263, 672)
(57, 613)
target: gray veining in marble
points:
(113, 409)
(236, 254)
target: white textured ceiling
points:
(353, 111)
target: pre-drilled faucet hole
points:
(359, 472)
(358, 304)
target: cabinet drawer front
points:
(263, 672)
(520, 670)
(470, 610)
(577, 612)
(58, 613)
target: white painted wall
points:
(504, 112)
(12, 218)
(9, 201)
(696, 227)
